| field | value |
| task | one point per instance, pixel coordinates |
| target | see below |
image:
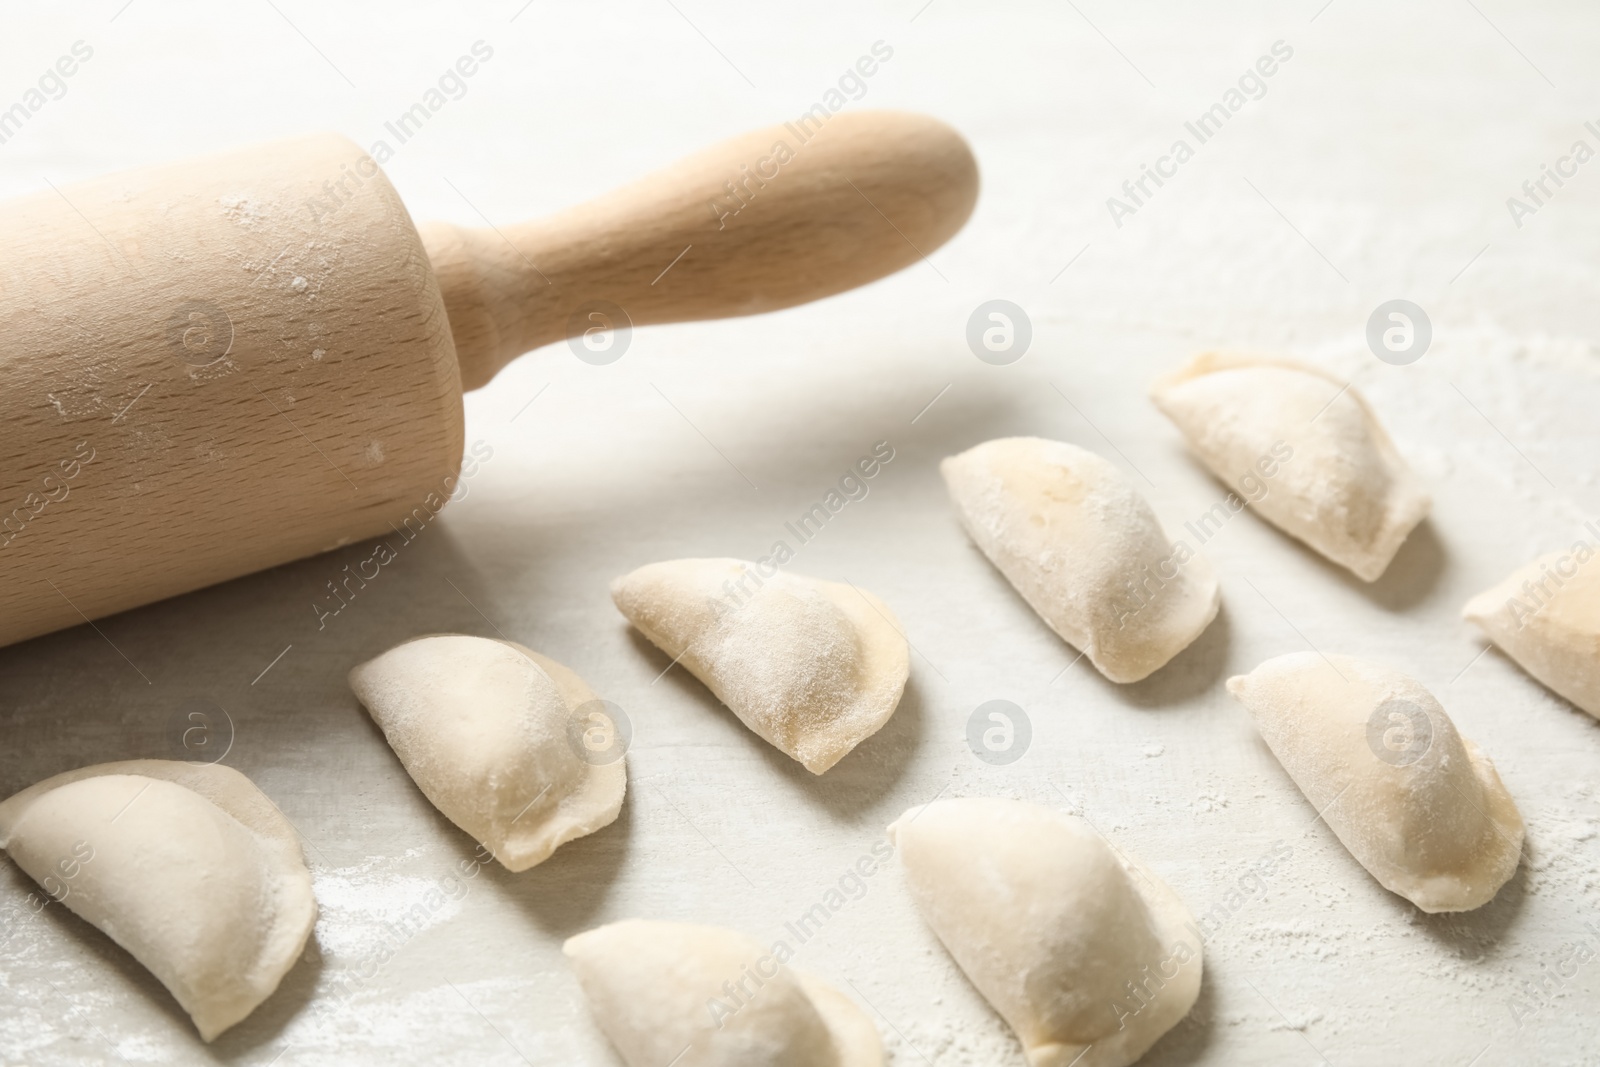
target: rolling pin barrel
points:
(218, 366)
(211, 369)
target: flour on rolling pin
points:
(265, 360)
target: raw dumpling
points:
(1085, 551)
(702, 996)
(1546, 616)
(1372, 750)
(1088, 956)
(491, 732)
(813, 667)
(188, 866)
(1304, 449)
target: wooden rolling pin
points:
(222, 365)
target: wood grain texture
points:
(222, 365)
(204, 377)
(766, 220)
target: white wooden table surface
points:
(1376, 165)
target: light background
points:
(1377, 166)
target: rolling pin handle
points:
(767, 220)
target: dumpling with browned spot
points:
(1418, 805)
(1304, 449)
(1085, 550)
(813, 667)
(1546, 616)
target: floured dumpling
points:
(813, 667)
(1546, 616)
(188, 866)
(1416, 803)
(1085, 551)
(492, 733)
(1304, 449)
(701, 996)
(1088, 956)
